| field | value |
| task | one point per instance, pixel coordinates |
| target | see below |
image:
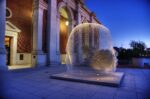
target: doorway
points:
(64, 33)
(8, 46)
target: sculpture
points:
(90, 45)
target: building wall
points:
(22, 18)
(22, 11)
(86, 14)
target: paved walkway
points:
(36, 84)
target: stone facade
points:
(38, 24)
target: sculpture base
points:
(113, 79)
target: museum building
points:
(35, 32)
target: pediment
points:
(11, 27)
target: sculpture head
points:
(90, 45)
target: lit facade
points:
(35, 32)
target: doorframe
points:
(12, 31)
(13, 46)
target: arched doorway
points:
(65, 29)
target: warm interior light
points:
(67, 23)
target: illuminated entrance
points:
(7, 46)
(11, 35)
(64, 32)
(12, 58)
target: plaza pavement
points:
(36, 84)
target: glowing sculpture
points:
(90, 45)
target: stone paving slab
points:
(113, 79)
(36, 84)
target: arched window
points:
(8, 13)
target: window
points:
(8, 13)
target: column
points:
(53, 56)
(78, 13)
(73, 44)
(58, 54)
(93, 37)
(13, 49)
(2, 35)
(38, 57)
(58, 35)
(80, 52)
(91, 17)
(92, 30)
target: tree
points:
(138, 45)
(138, 48)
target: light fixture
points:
(67, 23)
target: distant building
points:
(148, 49)
(35, 32)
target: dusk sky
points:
(126, 19)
